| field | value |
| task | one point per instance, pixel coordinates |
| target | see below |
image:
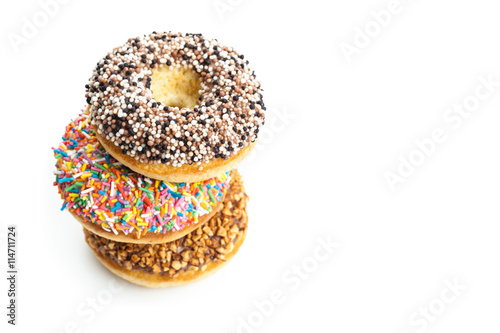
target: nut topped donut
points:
(188, 259)
(176, 107)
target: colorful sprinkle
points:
(103, 191)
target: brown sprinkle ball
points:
(208, 243)
(123, 109)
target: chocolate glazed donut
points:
(176, 107)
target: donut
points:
(185, 260)
(112, 201)
(175, 107)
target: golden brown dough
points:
(185, 173)
(150, 237)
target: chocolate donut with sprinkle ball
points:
(176, 107)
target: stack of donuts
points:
(148, 167)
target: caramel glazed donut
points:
(175, 107)
(188, 259)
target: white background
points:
(334, 128)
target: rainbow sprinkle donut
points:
(117, 203)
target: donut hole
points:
(176, 87)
